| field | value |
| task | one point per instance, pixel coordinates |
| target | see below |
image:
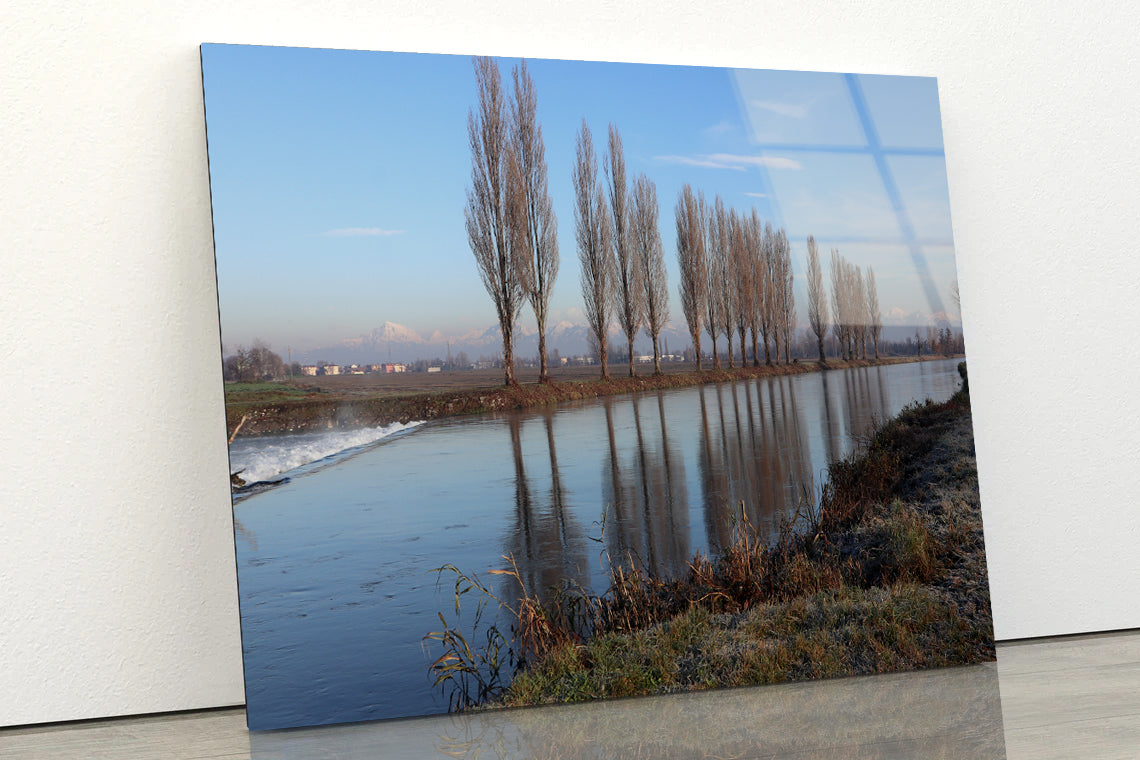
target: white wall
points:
(117, 590)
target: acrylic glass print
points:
(550, 381)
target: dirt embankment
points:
(363, 400)
(891, 575)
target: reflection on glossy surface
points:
(335, 567)
(1062, 698)
(952, 713)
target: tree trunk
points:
(543, 370)
(509, 358)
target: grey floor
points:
(1076, 697)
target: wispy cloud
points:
(720, 128)
(791, 110)
(757, 195)
(731, 161)
(695, 161)
(362, 232)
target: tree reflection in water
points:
(546, 540)
(753, 447)
(645, 495)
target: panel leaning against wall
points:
(555, 380)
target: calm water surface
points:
(334, 568)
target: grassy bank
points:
(889, 574)
(284, 407)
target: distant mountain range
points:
(898, 317)
(403, 344)
(396, 342)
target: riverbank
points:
(888, 575)
(295, 407)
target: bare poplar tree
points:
(770, 299)
(650, 256)
(493, 228)
(787, 295)
(776, 280)
(875, 316)
(852, 305)
(758, 267)
(714, 271)
(852, 314)
(727, 275)
(742, 277)
(839, 302)
(859, 309)
(691, 261)
(817, 296)
(594, 237)
(629, 290)
(538, 260)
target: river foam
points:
(267, 457)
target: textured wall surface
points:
(117, 587)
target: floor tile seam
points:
(1062, 639)
(1072, 722)
(1006, 672)
(1048, 660)
(1044, 650)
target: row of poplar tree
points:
(736, 273)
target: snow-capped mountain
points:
(398, 342)
(389, 332)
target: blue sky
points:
(339, 177)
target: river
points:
(335, 567)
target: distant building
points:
(331, 369)
(435, 369)
(390, 368)
(309, 369)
